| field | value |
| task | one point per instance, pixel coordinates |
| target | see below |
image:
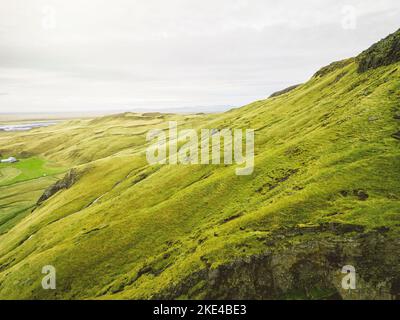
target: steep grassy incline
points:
(325, 193)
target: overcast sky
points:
(91, 55)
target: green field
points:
(21, 185)
(325, 193)
(26, 169)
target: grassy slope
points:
(21, 184)
(25, 170)
(130, 230)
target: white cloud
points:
(98, 54)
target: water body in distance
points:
(26, 126)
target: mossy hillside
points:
(325, 158)
(20, 185)
(382, 53)
(81, 141)
(19, 199)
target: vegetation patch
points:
(26, 169)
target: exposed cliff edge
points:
(65, 183)
(310, 269)
(382, 53)
(281, 92)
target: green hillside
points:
(325, 193)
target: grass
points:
(26, 169)
(21, 185)
(325, 156)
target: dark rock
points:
(395, 289)
(396, 135)
(334, 214)
(69, 179)
(332, 67)
(382, 229)
(362, 195)
(341, 228)
(382, 53)
(344, 193)
(281, 92)
(308, 270)
(232, 217)
(166, 256)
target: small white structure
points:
(9, 160)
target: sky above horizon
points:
(121, 55)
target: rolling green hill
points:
(325, 193)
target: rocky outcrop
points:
(309, 269)
(383, 53)
(332, 67)
(65, 183)
(281, 92)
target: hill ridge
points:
(325, 193)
